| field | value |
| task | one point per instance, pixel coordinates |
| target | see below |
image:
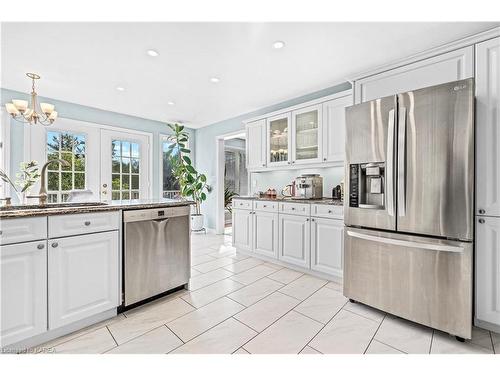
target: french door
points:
(124, 166)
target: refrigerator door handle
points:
(397, 242)
(390, 164)
(402, 161)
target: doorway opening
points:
(232, 177)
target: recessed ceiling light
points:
(170, 103)
(152, 53)
(120, 88)
(278, 44)
(214, 80)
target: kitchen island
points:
(61, 266)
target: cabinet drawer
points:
(265, 206)
(327, 211)
(69, 225)
(303, 209)
(242, 204)
(23, 230)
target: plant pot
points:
(197, 222)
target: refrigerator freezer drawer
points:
(425, 280)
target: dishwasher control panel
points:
(154, 213)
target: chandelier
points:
(33, 113)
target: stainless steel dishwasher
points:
(156, 252)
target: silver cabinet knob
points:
(293, 208)
(481, 211)
(482, 221)
(307, 219)
(87, 223)
(263, 165)
(324, 159)
(313, 220)
(54, 244)
(40, 246)
(329, 211)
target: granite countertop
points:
(331, 201)
(84, 207)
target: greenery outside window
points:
(61, 180)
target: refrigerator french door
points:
(409, 212)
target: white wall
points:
(261, 181)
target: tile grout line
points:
(113, 337)
(175, 334)
(324, 326)
(371, 340)
(317, 321)
(492, 345)
(432, 341)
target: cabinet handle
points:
(263, 165)
(324, 159)
(481, 221)
(293, 162)
(54, 244)
(307, 219)
(313, 220)
(1, 232)
(40, 246)
(87, 223)
(265, 206)
(482, 212)
(329, 211)
(293, 208)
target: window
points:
(125, 164)
(235, 173)
(61, 180)
(170, 185)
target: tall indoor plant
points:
(192, 183)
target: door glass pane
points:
(60, 179)
(278, 138)
(170, 184)
(125, 170)
(306, 135)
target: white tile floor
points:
(239, 304)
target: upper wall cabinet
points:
(334, 128)
(306, 135)
(278, 140)
(443, 68)
(488, 127)
(256, 144)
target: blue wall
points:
(94, 115)
(205, 145)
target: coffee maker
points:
(309, 186)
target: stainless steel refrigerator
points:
(408, 241)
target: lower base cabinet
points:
(265, 233)
(327, 237)
(242, 229)
(83, 276)
(294, 239)
(488, 269)
(23, 291)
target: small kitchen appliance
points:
(309, 186)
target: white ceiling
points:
(85, 62)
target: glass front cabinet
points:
(278, 140)
(306, 131)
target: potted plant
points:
(228, 198)
(25, 179)
(192, 184)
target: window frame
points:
(163, 137)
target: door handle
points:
(390, 165)
(402, 162)
(405, 243)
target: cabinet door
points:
(448, 67)
(242, 229)
(23, 291)
(278, 140)
(488, 269)
(256, 144)
(294, 239)
(265, 233)
(334, 128)
(327, 245)
(488, 127)
(83, 276)
(306, 135)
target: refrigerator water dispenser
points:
(367, 185)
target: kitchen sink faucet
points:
(42, 194)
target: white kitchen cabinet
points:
(488, 128)
(23, 229)
(83, 276)
(256, 144)
(447, 67)
(334, 128)
(242, 229)
(307, 127)
(294, 239)
(327, 245)
(278, 140)
(265, 233)
(23, 291)
(488, 269)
